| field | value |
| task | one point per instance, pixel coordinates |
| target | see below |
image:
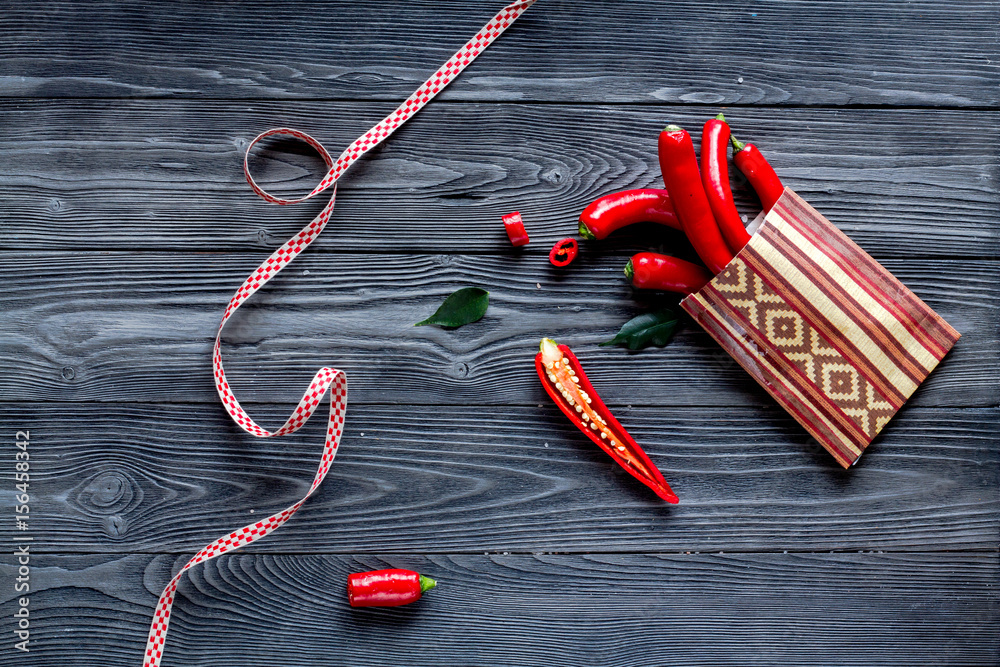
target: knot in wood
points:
(109, 492)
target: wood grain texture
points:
(831, 53)
(143, 478)
(140, 326)
(619, 610)
(125, 225)
(168, 174)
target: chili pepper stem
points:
(586, 233)
(673, 128)
(720, 117)
(629, 270)
(737, 144)
(426, 583)
(548, 347)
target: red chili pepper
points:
(715, 178)
(680, 173)
(621, 209)
(386, 588)
(650, 270)
(567, 384)
(761, 175)
(515, 229)
(564, 252)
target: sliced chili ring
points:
(514, 225)
(567, 384)
(564, 252)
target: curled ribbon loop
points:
(325, 378)
(287, 132)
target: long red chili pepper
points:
(386, 588)
(650, 270)
(761, 175)
(679, 165)
(620, 209)
(715, 178)
(567, 384)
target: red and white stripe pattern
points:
(325, 378)
(823, 327)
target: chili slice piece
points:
(514, 225)
(620, 209)
(386, 588)
(567, 384)
(564, 252)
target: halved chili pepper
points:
(567, 384)
(715, 178)
(564, 252)
(514, 225)
(620, 209)
(386, 588)
(680, 174)
(650, 270)
(761, 175)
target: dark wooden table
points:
(126, 226)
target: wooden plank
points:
(832, 53)
(541, 609)
(168, 174)
(89, 326)
(148, 478)
(451, 449)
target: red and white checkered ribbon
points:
(325, 378)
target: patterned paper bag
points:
(834, 337)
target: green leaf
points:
(465, 306)
(656, 328)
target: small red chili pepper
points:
(679, 165)
(621, 209)
(761, 175)
(650, 270)
(567, 384)
(564, 252)
(386, 588)
(715, 178)
(514, 225)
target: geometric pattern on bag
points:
(829, 332)
(805, 348)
